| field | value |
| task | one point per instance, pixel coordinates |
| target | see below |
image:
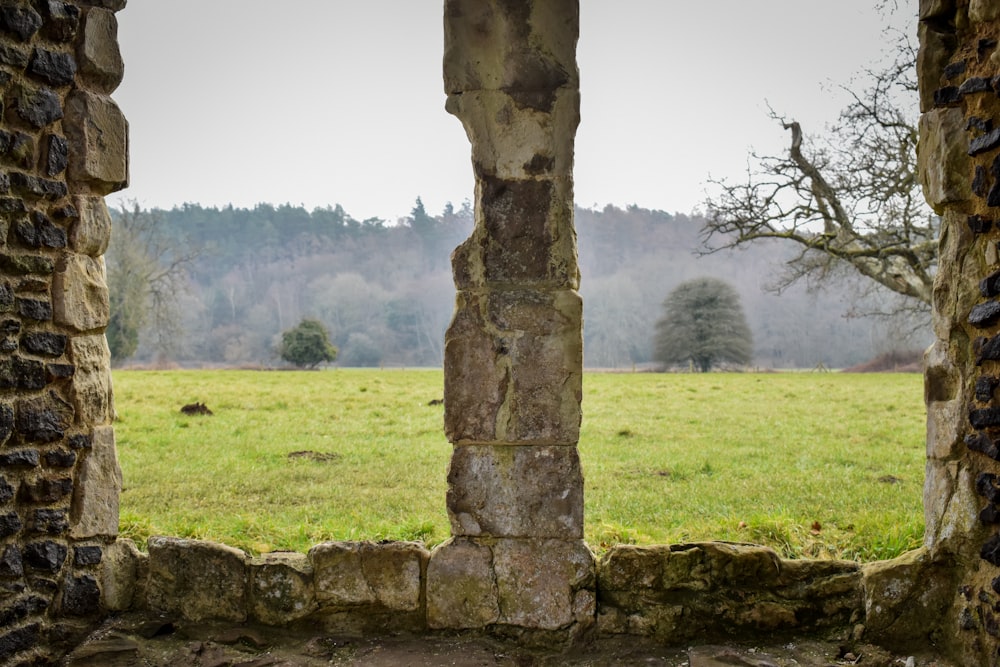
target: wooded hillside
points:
(385, 290)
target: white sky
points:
(320, 102)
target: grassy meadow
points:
(814, 465)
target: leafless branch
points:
(849, 198)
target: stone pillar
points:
(62, 148)
(514, 351)
(959, 162)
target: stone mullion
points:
(514, 351)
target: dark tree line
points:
(385, 294)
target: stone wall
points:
(63, 146)
(516, 564)
(959, 157)
(708, 591)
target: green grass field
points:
(816, 465)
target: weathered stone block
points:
(99, 483)
(81, 596)
(42, 419)
(39, 107)
(80, 294)
(22, 22)
(10, 204)
(511, 141)
(513, 364)
(394, 571)
(91, 233)
(57, 155)
(338, 574)
(52, 67)
(100, 58)
(15, 57)
(37, 188)
(119, 573)
(40, 232)
(281, 588)
(18, 373)
(943, 162)
(21, 458)
(722, 565)
(528, 232)
(11, 562)
(364, 573)
(91, 391)
(626, 567)
(951, 506)
(537, 580)
(45, 556)
(523, 238)
(716, 589)
(47, 490)
(87, 555)
(34, 309)
(526, 491)
(199, 580)
(10, 524)
(23, 265)
(518, 241)
(63, 20)
(18, 640)
(48, 522)
(60, 458)
(64, 212)
(477, 374)
(944, 428)
(517, 46)
(947, 96)
(903, 595)
(98, 138)
(461, 586)
(44, 343)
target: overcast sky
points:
(324, 102)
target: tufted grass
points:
(813, 465)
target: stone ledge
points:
(717, 589)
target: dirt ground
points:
(149, 642)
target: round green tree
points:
(307, 345)
(703, 324)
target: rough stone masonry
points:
(63, 146)
(959, 161)
(516, 565)
(514, 350)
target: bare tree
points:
(146, 271)
(850, 199)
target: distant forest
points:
(385, 291)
